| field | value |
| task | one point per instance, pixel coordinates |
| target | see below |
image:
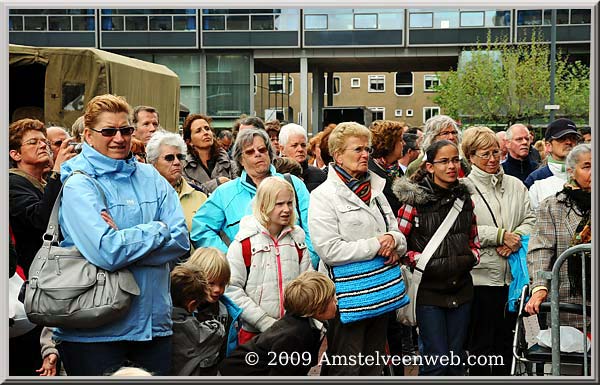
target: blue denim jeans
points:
(103, 358)
(442, 331)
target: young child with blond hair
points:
(266, 254)
(290, 347)
(218, 307)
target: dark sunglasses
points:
(251, 151)
(140, 154)
(171, 157)
(109, 131)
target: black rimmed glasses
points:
(488, 155)
(359, 150)
(110, 131)
(446, 134)
(447, 161)
(171, 157)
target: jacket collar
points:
(250, 226)
(377, 184)
(493, 179)
(95, 163)
(250, 186)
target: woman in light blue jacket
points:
(142, 229)
(230, 202)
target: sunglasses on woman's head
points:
(110, 131)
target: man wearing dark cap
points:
(562, 136)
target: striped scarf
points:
(361, 187)
(392, 170)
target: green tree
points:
(503, 83)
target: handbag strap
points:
(387, 225)
(439, 235)
(488, 206)
(51, 235)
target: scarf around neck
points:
(361, 187)
(392, 170)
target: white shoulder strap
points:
(439, 235)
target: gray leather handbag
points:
(66, 290)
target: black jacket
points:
(519, 168)
(312, 176)
(29, 213)
(447, 278)
(290, 347)
(387, 189)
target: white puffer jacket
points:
(260, 293)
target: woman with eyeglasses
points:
(503, 214)
(32, 192)
(217, 222)
(440, 127)
(351, 221)
(443, 306)
(207, 163)
(166, 152)
(139, 225)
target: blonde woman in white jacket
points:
(503, 213)
(275, 254)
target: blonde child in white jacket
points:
(267, 253)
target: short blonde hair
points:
(212, 262)
(343, 131)
(308, 294)
(266, 197)
(478, 137)
(104, 103)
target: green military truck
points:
(53, 84)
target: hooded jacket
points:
(274, 263)
(151, 233)
(446, 280)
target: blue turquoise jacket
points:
(229, 203)
(151, 233)
(236, 323)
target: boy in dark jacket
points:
(290, 347)
(195, 351)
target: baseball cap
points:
(559, 128)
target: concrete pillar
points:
(318, 81)
(303, 121)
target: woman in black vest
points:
(446, 290)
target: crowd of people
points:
(234, 237)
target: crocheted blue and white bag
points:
(367, 289)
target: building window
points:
(365, 21)
(262, 22)
(378, 113)
(337, 85)
(376, 83)
(277, 84)
(238, 23)
(562, 16)
(421, 20)
(398, 113)
(404, 83)
(581, 16)
(529, 17)
(315, 22)
(431, 82)
(471, 19)
(355, 82)
(429, 112)
(409, 112)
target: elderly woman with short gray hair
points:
(440, 127)
(217, 222)
(166, 152)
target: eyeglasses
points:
(448, 133)
(360, 149)
(446, 161)
(35, 142)
(171, 157)
(487, 155)
(110, 131)
(251, 151)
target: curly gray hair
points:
(435, 125)
(575, 155)
(245, 138)
(163, 138)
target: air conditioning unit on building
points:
(282, 114)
